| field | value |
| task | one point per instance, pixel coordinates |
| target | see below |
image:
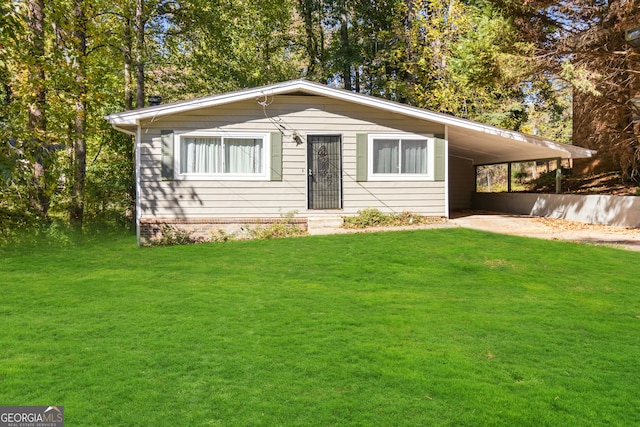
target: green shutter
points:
(440, 159)
(362, 144)
(167, 154)
(276, 156)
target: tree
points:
(312, 16)
(451, 57)
(140, 25)
(583, 42)
(80, 122)
(210, 47)
(36, 104)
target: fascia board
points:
(132, 118)
(568, 150)
(565, 150)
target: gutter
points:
(123, 130)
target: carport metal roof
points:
(483, 144)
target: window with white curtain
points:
(220, 156)
(397, 157)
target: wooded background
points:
(64, 64)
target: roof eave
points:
(132, 118)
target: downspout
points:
(446, 173)
(136, 171)
(138, 138)
(123, 130)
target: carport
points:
(472, 145)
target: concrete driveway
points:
(549, 228)
(517, 225)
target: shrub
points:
(222, 236)
(170, 235)
(276, 230)
(372, 217)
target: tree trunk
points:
(127, 48)
(128, 54)
(307, 8)
(267, 59)
(346, 58)
(140, 45)
(79, 143)
(411, 57)
(37, 113)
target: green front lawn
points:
(434, 327)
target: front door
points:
(324, 171)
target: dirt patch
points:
(565, 225)
(610, 183)
(604, 183)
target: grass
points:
(433, 327)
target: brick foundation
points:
(211, 229)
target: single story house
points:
(254, 156)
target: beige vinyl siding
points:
(461, 183)
(307, 115)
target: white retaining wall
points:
(623, 211)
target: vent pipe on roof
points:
(154, 100)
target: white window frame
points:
(429, 176)
(266, 160)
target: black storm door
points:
(324, 171)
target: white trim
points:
(266, 156)
(446, 172)
(130, 117)
(138, 180)
(429, 176)
(264, 92)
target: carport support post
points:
(509, 177)
(558, 176)
(475, 184)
